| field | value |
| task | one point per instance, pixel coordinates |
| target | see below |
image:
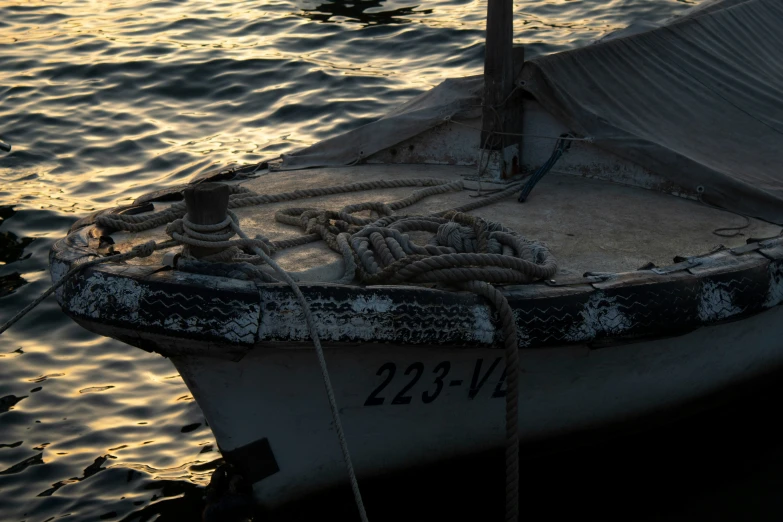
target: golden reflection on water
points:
(103, 101)
(362, 38)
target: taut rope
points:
(465, 253)
(142, 250)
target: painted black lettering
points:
(373, 399)
(443, 368)
(401, 398)
(500, 390)
(478, 380)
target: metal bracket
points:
(677, 267)
(170, 259)
(498, 165)
(586, 279)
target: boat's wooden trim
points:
(600, 310)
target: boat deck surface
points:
(588, 225)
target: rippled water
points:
(103, 101)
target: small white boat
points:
(662, 292)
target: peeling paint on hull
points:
(594, 350)
(561, 391)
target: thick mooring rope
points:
(511, 353)
(242, 197)
(465, 252)
(142, 250)
(338, 424)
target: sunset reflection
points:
(103, 101)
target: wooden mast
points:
(500, 156)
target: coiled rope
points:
(465, 252)
(243, 197)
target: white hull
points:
(277, 393)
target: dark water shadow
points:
(11, 246)
(356, 11)
(723, 464)
(11, 249)
(10, 283)
(179, 501)
(89, 471)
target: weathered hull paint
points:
(418, 371)
(235, 316)
(277, 394)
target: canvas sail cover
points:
(697, 100)
(457, 96)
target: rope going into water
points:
(511, 355)
(466, 252)
(219, 235)
(263, 254)
(142, 250)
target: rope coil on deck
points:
(243, 197)
(465, 253)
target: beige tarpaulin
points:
(697, 99)
(461, 96)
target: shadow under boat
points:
(713, 459)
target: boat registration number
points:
(417, 383)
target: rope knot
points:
(175, 226)
(144, 249)
(456, 236)
(218, 236)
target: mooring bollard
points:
(206, 204)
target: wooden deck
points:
(588, 225)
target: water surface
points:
(103, 101)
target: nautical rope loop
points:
(464, 252)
